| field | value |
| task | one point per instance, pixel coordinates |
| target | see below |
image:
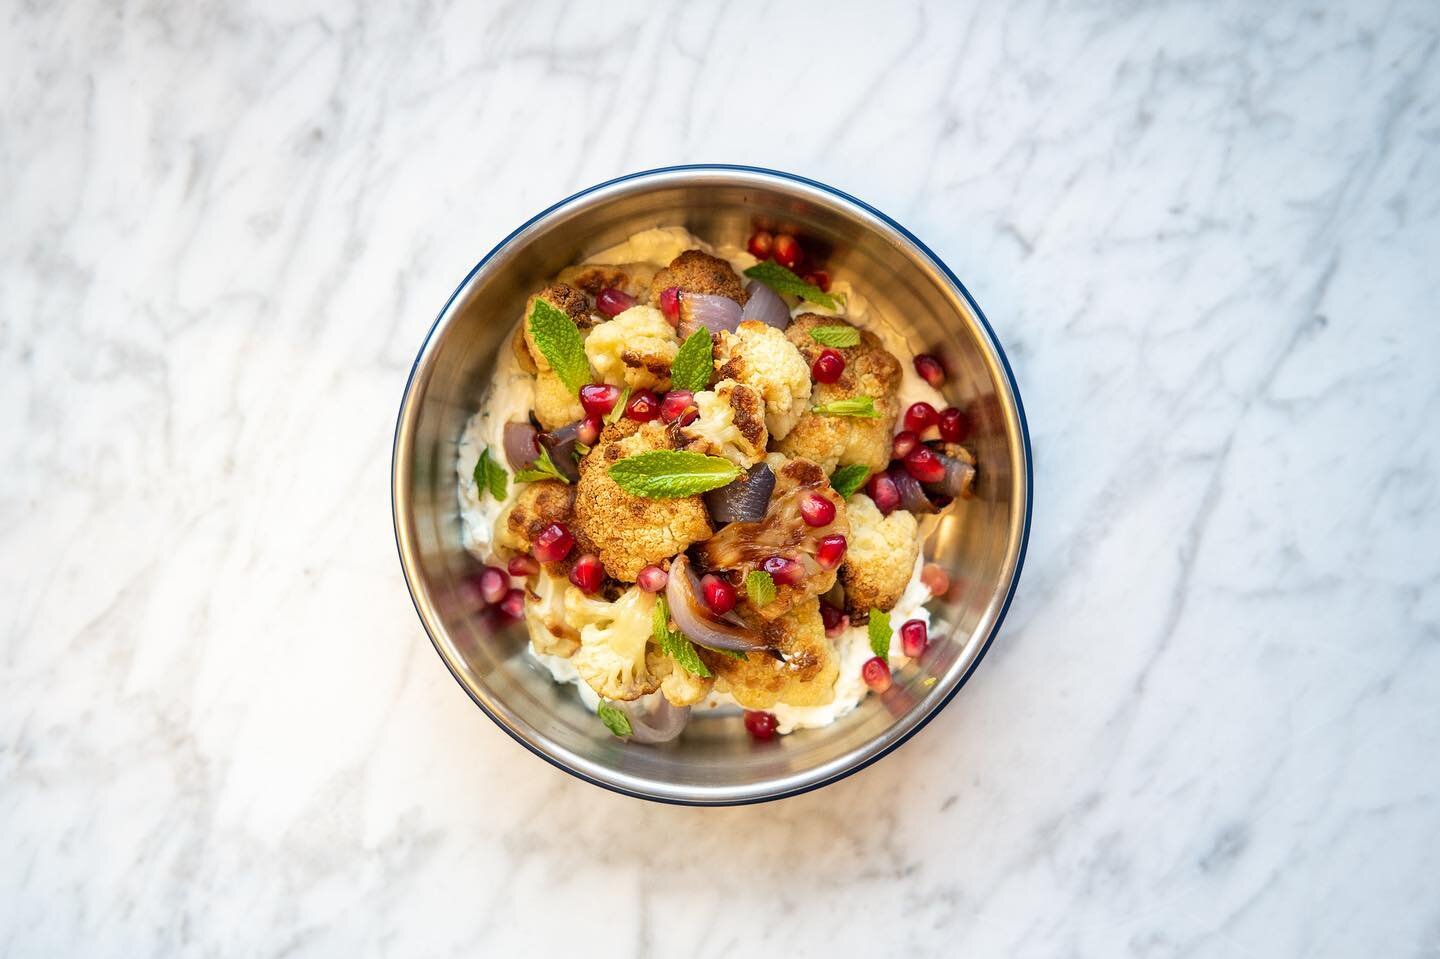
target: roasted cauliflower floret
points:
(568, 300)
(635, 349)
(760, 357)
(555, 405)
(547, 618)
(806, 678)
(613, 639)
(631, 532)
(731, 424)
(740, 548)
(535, 507)
(870, 370)
(695, 271)
(679, 686)
(880, 556)
(593, 278)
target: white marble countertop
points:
(1208, 236)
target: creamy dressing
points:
(511, 397)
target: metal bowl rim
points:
(762, 795)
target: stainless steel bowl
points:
(982, 542)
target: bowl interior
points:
(980, 542)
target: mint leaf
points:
(614, 718)
(841, 336)
(490, 476)
(879, 629)
(861, 406)
(732, 653)
(847, 479)
(669, 474)
(691, 369)
(559, 339)
(674, 644)
(760, 586)
(614, 415)
(542, 469)
(781, 280)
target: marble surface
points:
(1208, 235)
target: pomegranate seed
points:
(924, 465)
(920, 417)
(598, 399)
(816, 510)
(818, 278)
(876, 673)
(587, 573)
(760, 243)
(553, 544)
(643, 407)
(785, 572)
(882, 490)
(936, 580)
(830, 551)
(670, 304)
(760, 725)
(676, 405)
(832, 617)
(827, 366)
(953, 425)
(904, 442)
(786, 250)
(613, 302)
(513, 605)
(930, 370)
(652, 579)
(494, 584)
(914, 638)
(523, 566)
(719, 595)
(589, 430)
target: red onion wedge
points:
(694, 620)
(654, 720)
(745, 500)
(521, 447)
(765, 305)
(959, 475)
(912, 497)
(714, 313)
(560, 444)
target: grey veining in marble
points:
(1208, 233)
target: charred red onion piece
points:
(560, 444)
(693, 619)
(765, 305)
(912, 497)
(654, 720)
(745, 500)
(714, 313)
(958, 477)
(521, 448)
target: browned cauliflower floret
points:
(614, 642)
(547, 618)
(731, 424)
(806, 678)
(695, 271)
(678, 685)
(631, 278)
(763, 359)
(568, 300)
(740, 548)
(535, 507)
(870, 370)
(555, 404)
(631, 532)
(635, 349)
(880, 557)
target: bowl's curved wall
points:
(981, 542)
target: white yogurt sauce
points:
(511, 396)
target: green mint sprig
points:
(859, 406)
(781, 280)
(847, 479)
(490, 477)
(559, 339)
(879, 630)
(614, 718)
(693, 363)
(760, 587)
(674, 644)
(837, 335)
(670, 474)
(542, 469)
